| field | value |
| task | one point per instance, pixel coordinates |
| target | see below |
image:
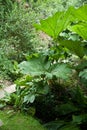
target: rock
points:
(8, 89)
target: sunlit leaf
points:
(80, 14)
(81, 29)
(55, 24)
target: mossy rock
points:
(18, 121)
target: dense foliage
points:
(51, 81)
(17, 36)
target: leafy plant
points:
(46, 74)
(74, 20)
(38, 66)
(54, 25)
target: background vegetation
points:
(50, 64)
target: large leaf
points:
(36, 67)
(61, 71)
(74, 46)
(80, 14)
(60, 21)
(81, 29)
(32, 67)
(55, 24)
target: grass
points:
(18, 121)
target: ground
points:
(17, 121)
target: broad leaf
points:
(61, 20)
(55, 24)
(61, 71)
(74, 46)
(81, 29)
(36, 67)
(80, 14)
(32, 67)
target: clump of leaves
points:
(74, 20)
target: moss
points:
(18, 121)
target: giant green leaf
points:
(74, 46)
(60, 21)
(32, 67)
(61, 71)
(80, 14)
(81, 29)
(37, 66)
(55, 24)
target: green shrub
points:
(19, 36)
